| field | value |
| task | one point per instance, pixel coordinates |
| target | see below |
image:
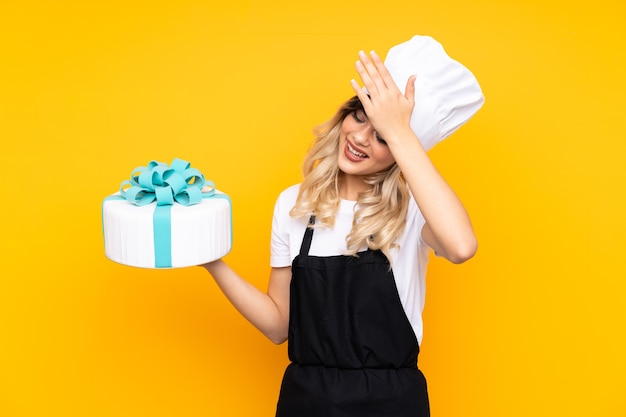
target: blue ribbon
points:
(166, 185)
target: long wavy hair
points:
(380, 216)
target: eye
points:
(381, 140)
(358, 116)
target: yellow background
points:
(533, 325)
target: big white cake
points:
(171, 234)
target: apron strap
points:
(308, 237)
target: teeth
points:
(355, 153)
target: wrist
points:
(212, 266)
(401, 138)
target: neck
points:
(350, 186)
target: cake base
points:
(198, 233)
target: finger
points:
(382, 70)
(410, 89)
(366, 77)
(372, 70)
(356, 87)
(359, 92)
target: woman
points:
(350, 244)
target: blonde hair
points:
(380, 216)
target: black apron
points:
(352, 349)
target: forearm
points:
(449, 229)
(268, 315)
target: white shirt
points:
(408, 261)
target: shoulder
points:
(290, 193)
(286, 201)
(287, 198)
(285, 229)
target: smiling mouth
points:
(355, 152)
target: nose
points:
(363, 135)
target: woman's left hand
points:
(387, 108)
(448, 229)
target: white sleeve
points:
(280, 254)
(415, 214)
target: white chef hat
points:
(447, 94)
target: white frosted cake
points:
(167, 235)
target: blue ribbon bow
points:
(165, 184)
